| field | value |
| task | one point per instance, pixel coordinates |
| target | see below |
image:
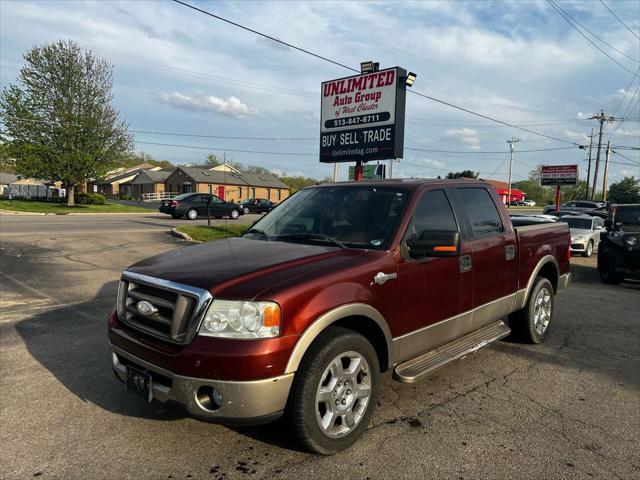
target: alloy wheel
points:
(343, 394)
(542, 311)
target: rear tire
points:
(532, 323)
(234, 214)
(589, 250)
(192, 214)
(335, 391)
(246, 211)
(607, 268)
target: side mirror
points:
(435, 243)
(607, 223)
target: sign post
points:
(559, 175)
(362, 118)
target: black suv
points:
(257, 205)
(194, 205)
(619, 250)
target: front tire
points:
(589, 251)
(192, 214)
(246, 211)
(532, 323)
(335, 391)
(607, 268)
(234, 214)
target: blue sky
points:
(179, 71)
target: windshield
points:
(628, 215)
(351, 216)
(578, 223)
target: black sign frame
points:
(384, 149)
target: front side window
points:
(433, 212)
(358, 217)
(482, 212)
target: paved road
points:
(565, 409)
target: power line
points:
(282, 42)
(626, 92)
(636, 164)
(620, 20)
(198, 147)
(595, 36)
(560, 12)
(486, 117)
(486, 152)
(176, 134)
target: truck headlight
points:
(240, 319)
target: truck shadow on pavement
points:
(71, 342)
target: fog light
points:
(208, 398)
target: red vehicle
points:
(340, 283)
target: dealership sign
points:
(559, 175)
(362, 117)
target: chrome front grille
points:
(176, 308)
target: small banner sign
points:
(559, 175)
(370, 172)
(362, 117)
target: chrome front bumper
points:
(240, 402)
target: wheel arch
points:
(548, 268)
(359, 317)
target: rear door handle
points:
(465, 263)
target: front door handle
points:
(465, 263)
(381, 277)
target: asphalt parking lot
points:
(569, 408)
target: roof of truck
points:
(406, 182)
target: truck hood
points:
(218, 265)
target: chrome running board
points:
(415, 369)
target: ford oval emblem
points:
(145, 308)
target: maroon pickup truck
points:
(337, 285)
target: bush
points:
(90, 199)
(126, 197)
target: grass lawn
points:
(61, 208)
(207, 234)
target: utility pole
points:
(335, 172)
(511, 143)
(391, 167)
(589, 167)
(606, 172)
(601, 118)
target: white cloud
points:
(467, 135)
(231, 107)
(627, 173)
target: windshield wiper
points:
(313, 236)
(257, 231)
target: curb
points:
(15, 212)
(184, 236)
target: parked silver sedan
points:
(585, 233)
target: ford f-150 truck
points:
(340, 283)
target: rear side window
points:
(433, 212)
(482, 212)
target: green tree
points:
(7, 164)
(298, 182)
(133, 159)
(58, 119)
(464, 173)
(626, 190)
(212, 160)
